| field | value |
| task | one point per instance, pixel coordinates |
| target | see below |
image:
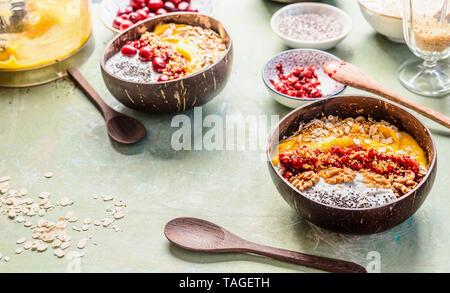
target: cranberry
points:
(183, 6)
(161, 11)
(137, 4)
(158, 64)
(126, 24)
(154, 5)
(146, 9)
(163, 78)
(146, 54)
(128, 50)
(169, 6)
(151, 14)
(117, 22)
(125, 16)
(134, 17)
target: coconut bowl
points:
(176, 95)
(362, 220)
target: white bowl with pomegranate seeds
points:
(118, 15)
(311, 25)
(282, 72)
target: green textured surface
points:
(54, 127)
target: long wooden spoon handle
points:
(307, 260)
(89, 91)
(351, 75)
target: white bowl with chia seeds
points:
(311, 25)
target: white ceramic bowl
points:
(109, 9)
(309, 7)
(388, 25)
(300, 57)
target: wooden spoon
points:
(121, 127)
(200, 235)
(351, 75)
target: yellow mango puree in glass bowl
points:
(53, 30)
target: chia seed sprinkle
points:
(131, 68)
(350, 195)
(310, 27)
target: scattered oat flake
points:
(76, 228)
(7, 258)
(57, 243)
(65, 245)
(108, 198)
(59, 252)
(19, 250)
(119, 215)
(106, 222)
(4, 179)
(44, 195)
(27, 245)
(42, 247)
(65, 201)
(85, 227)
(48, 175)
(82, 243)
(21, 240)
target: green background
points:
(55, 128)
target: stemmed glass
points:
(426, 25)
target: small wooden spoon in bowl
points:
(121, 127)
(200, 235)
(351, 75)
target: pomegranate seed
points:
(158, 64)
(169, 6)
(175, 2)
(137, 4)
(125, 16)
(134, 17)
(183, 6)
(121, 11)
(117, 22)
(146, 54)
(190, 9)
(142, 14)
(126, 24)
(128, 50)
(161, 11)
(154, 5)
